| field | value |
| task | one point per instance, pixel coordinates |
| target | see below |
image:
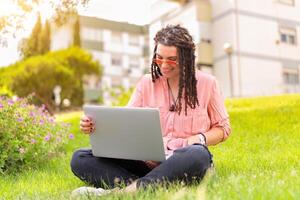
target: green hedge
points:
(40, 74)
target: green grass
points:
(260, 160)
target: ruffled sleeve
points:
(217, 111)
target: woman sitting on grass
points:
(193, 116)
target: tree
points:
(37, 70)
(30, 46)
(81, 63)
(79, 60)
(45, 39)
(40, 74)
(10, 24)
(38, 42)
(76, 33)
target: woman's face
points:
(167, 60)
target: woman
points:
(192, 112)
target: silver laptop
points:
(127, 133)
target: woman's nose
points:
(164, 65)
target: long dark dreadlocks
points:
(175, 35)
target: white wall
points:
(261, 77)
(271, 8)
(258, 36)
(257, 33)
(257, 68)
(221, 6)
(61, 38)
(221, 72)
(264, 7)
(187, 17)
(223, 31)
(255, 76)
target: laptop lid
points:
(126, 132)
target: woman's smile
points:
(167, 70)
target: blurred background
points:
(68, 52)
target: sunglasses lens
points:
(170, 62)
(158, 61)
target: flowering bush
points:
(28, 135)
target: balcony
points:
(92, 45)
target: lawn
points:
(260, 160)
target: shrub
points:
(28, 135)
(40, 75)
(81, 63)
(4, 91)
(120, 96)
(78, 60)
(6, 74)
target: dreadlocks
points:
(175, 35)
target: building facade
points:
(121, 48)
(252, 47)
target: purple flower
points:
(32, 141)
(71, 136)
(24, 105)
(41, 122)
(51, 120)
(1, 105)
(47, 137)
(10, 102)
(20, 119)
(58, 139)
(31, 114)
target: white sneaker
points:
(89, 191)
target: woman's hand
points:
(152, 164)
(193, 139)
(87, 125)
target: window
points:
(116, 37)
(287, 2)
(291, 76)
(116, 82)
(288, 35)
(134, 40)
(116, 60)
(91, 34)
(134, 62)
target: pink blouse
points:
(210, 113)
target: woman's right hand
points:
(87, 125)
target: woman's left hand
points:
(193, 139)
